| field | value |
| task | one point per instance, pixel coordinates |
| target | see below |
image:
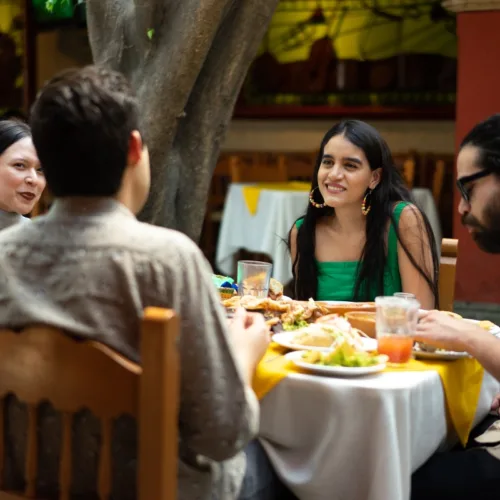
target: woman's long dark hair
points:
(12, 131)
(390, 190)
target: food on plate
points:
(275, 289)
(420, 346)
(313, 339)
(232, 303)
(452, 314)
(486, 325)
(272, 321)
(301, 313)
(328, 334)
(348, 307)
(293, 314)
(252, 303)
(343, 355)
(425, 347)
(364, 321)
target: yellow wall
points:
(60, 50)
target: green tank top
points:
(336, 280)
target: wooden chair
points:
(447, 272)
(437, 181)
(406, 164)
(44, 364)
(409, 172)
(300, 166)
(243, 172)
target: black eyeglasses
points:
(469, 178)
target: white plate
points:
(494, 330)
(440, 355)
(340, 371)
(285, 339)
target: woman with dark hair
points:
(362, 235)
(21, 179)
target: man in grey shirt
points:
(90, 268)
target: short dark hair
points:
(485, 136)
(12, 131)
(81, 123)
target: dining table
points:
(258, 218)
(361, 438)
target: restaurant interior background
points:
(389, 62)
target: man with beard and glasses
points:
(460, 474)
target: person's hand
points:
(441, 330)
(495, 405)
(250, 335)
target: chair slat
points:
(65, 470)
(447, 273)
(31, 453)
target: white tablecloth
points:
(357, 439)
(267, 230)
(264, 232)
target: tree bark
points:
(187, 77)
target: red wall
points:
(478, 96)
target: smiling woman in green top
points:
(362, 235)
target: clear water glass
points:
(254, 277)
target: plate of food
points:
(486, 325)
(325, 336)
(344, 361)
(298, 342)
(424, 351)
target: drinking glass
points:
(254, 277)
(404, 295)
(396, 321)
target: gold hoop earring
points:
(365, 207)
(312, 202)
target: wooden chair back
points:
(244, 172)
(406, 163)
(409, 166)
(437, 181)
(300, 166)
(43, 364)
(447, 273)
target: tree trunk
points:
(187, 74)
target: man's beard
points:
(487, 236)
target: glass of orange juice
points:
(396, 321)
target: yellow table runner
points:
(461, 379)
(252, 193)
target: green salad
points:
(297, 324)
(344, 355)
